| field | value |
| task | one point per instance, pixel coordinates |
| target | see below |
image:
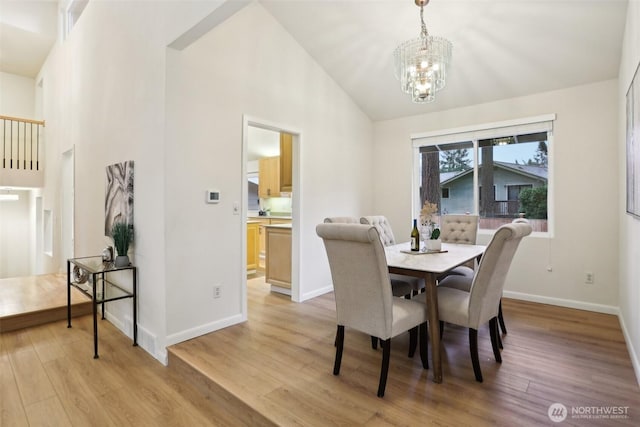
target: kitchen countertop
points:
(278, 226)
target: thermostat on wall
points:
(213, 196)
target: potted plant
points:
(429, 227)
(122, 235)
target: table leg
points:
(95, 320)
(135, 307)
(68, 294)
(434, 325)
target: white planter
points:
(433, 245)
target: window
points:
(74, 10)
(498, 171)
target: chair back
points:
(360, 277)
(488, 282)
(381, 223)
(342, 220)
(459, 229)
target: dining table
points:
(429, 266)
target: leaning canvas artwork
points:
(118, 200)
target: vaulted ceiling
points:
(501, 48)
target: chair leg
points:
(441, 329)
(495, 336)
(501, 319)
(473, 347)
(413, 341)
(374, 342)
(339, 346)
(424, 345)
(384, 370)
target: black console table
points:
(90, 275)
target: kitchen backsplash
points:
(277, 205)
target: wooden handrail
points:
(17, 119)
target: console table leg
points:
(95, 326)
(68, 294)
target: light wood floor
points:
(280, 362)
(34, 300)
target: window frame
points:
(475, 133)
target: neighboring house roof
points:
(531, 171)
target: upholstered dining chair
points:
(461, 229)
(363, 296)
(406, 286)
(381, 223)
(479, 303)
(342, 220)
(399, 286)
(464, 229)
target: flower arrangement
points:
(426, 219)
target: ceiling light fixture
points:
(421, 64)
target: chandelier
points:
(421, 64)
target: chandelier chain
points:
(423, 32)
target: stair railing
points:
(21, 140)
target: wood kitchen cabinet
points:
(286, 162)
(253, 246)
(269, 177)
(278, 259)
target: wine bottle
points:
(415, 237)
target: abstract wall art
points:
(118, 200)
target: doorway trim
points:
(67, 207)
(296, 211)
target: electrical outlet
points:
(588, 277)
(217, 291)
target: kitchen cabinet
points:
(253, 248)
(269, 177)
(286, 162)
(278, 257)
(262, 245)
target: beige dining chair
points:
(399, 287)
(406, 286)
(363, 296)
(474, 306)
(381, 223)
(460, 229)
(341, 220)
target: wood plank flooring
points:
(35, 300)
(280, 364)
(276, 369)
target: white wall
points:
(584, 201)
(103, 94)
(15, 236)
(17, 96)
(250, 65)
(629, 231)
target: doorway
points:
(67, 208)
(277, 207)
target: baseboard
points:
(632, 351)
(580, 305)
(203, 329)
(316, 293)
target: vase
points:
(433, 244)
(122, 261)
